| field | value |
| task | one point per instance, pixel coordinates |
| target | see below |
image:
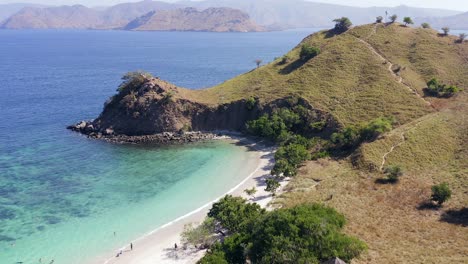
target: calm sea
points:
(63, 196)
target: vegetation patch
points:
(303, 234)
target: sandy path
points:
(158, 246)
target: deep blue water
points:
(61, 194)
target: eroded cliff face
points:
(151, 106)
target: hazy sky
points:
(447, 4)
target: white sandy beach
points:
(158, 246)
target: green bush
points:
(342, 24)
(283, 168)
(393, 18)
(407, 21)
(272, 127)
(133, 80)
(441, 193)
(214, 257)
(352, 136)
(303, 234)
(379, 19)
(393, 173)
(250, 103)
(272, 184)
(234, 213)
(435, 88)
(446, 30)
(425, 25)
(308, 52)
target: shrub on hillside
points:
(308, 52)
(441, 193)
(250, 103)
(393, 18)
(379, 19)
(408, 21)
(446, 30)
(393, 172)
(435, 88)
(342, 24)
(133, 80)
(425, 25)
(462, 37)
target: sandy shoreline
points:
(158, 246)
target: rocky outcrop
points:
(150, 109)
(190, 19)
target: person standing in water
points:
(131, 246)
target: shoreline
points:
(157, 246)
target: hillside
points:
(459, 21)
(190, 19)
(364, 73)
(7, 10)
(81, 17)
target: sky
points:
(461, 5)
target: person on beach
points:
(131, 246)
(175, 246)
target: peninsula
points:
(369, 120)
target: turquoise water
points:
(62, 196)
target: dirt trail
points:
(403, 139)
(390, 65)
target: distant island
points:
(182, 19)
(270, 15)
(190, 19)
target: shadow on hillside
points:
(333, 32)
(385, 181)
(456, 217)
(292, 66)
(427, 205)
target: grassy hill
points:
(367, 72)
(351, 80)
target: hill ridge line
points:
(385, 60)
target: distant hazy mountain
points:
(276, 14)
(79, 16)
(190, 19)
(7, 10)
(459, 21)
(299, 13)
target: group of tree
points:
(435, 88)
(239, 232)
(353, 135)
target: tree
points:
(462, 37)
(408, 21)
(393, 18)
(446, 30)
(308, 52)
(342, 24)
(251, 192)
(393, 173)
(272, 185)
(258, 62)
(441, 193)
(309, 233)
(201, 236)
(234, 213)
(379, 19)
(435, 88)
(425, 25)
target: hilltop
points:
(368, 73)
(136, 16)
(190, 19)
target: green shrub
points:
(308, 52)
(320, 155)
(393, 18)
(200, 236)
(250, 103)
(342, 24)
(234, 213)
(272, 127)
(284, 60)
(303, 234)
(446, 30)
(408, 21)
(379, 19)
(272, 185)
(441, 193)
(425, 25)
(295, 154)
(352, 136)
(283, 168)
(133, 80)
(348, 138)
(376, 127)
(435, 88)
(393, 173)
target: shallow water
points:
(62, 196)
